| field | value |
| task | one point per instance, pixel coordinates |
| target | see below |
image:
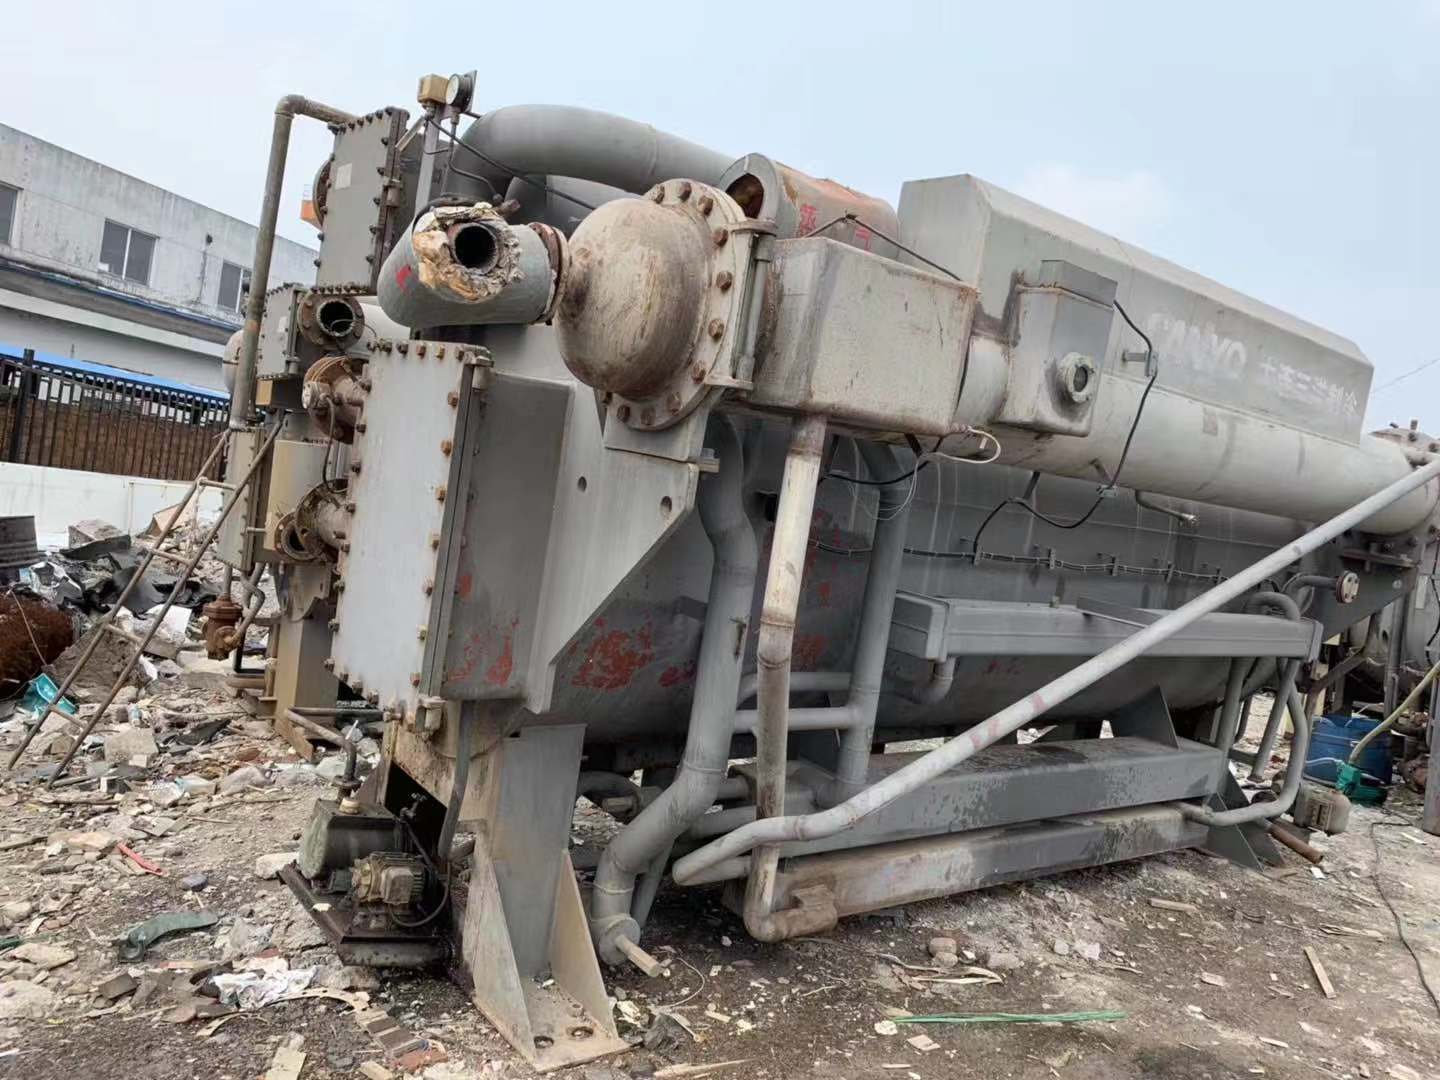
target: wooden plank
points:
(1326, 986)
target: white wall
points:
(59, 497)
(115, 342)
(64, 202)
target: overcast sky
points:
(1288, 150)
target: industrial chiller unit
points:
(600, 464)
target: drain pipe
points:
(877, 610)
(242, 400)
(773, 656)
(1263, 811)
(635, 848)
(770, 831)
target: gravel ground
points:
(1224, 991)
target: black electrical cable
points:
(1399, 923)
(920, 458)
(516, 173)
(852, 216)
(1436, 591)
(1101, 495)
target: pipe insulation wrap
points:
(466, 265)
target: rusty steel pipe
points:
(242, 399)
(777, 830)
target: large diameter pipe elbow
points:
(562, 140)
(466, 265)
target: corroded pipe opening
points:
(336, 318)
(476, 247)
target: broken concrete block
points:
(96, 841)
(350, 977)
(165, 794)
(90, 530)
(202, 673)
(268, 866)
(125, 746)
(16, 911)
(244, 938)
(24, 1000)
(241, 779)
(116, 987)
(42, 955)
(195, 785)
(938, 945)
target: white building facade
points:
(96, 265)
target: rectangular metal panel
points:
(404, 483)
(491, 592)
(362, 198)
(865, 340)
(937, 627)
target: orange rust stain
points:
(678, 674)
(614, 658)
(499, 673)
(807, 651)
(463, 584)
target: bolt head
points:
(355, 467)
(724, 279)
(446, 446)
(685, 190)
(697, 372)
(705, 203)
(329, 664)
(415, 679)
(623, 412)
(717, 329)
(453, 397)
(440, 493)
(658, 194)
(720, 236)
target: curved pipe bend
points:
(585, 144)
(634, 849)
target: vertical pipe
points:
(773, 656)
(616, 911)
(1272, 725)
(242, 398)
(877, 609)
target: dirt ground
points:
(1224, 991)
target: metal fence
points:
(71, 418)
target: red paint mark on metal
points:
(809, 220)
(614, 658)
(678, 674)
(807, 651)
(403, 276)
(822, 593)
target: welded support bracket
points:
(552, 1022)
(1248, 844)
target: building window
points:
(9, 198)
(234, 284)
(126, 252)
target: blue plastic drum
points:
(1334, 737)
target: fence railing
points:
(75, 419)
